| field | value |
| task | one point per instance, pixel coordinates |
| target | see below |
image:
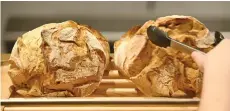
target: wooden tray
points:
(114, 89)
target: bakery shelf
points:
(114, 93)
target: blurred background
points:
(112, 19)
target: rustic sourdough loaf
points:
(159, 71)
(59, 59)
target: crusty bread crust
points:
(186, 29)
(59, 59)
(159, 71)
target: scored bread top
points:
(59, 59)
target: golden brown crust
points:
(158, 71)
(128, 34)
(186, 29)
(59, 59)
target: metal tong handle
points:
(169, 41)
(218, 38)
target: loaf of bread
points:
(159, 71)
(59, 59)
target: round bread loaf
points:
(59, 59)
(159, 71)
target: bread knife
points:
(162, 39)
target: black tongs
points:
(162, 39)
